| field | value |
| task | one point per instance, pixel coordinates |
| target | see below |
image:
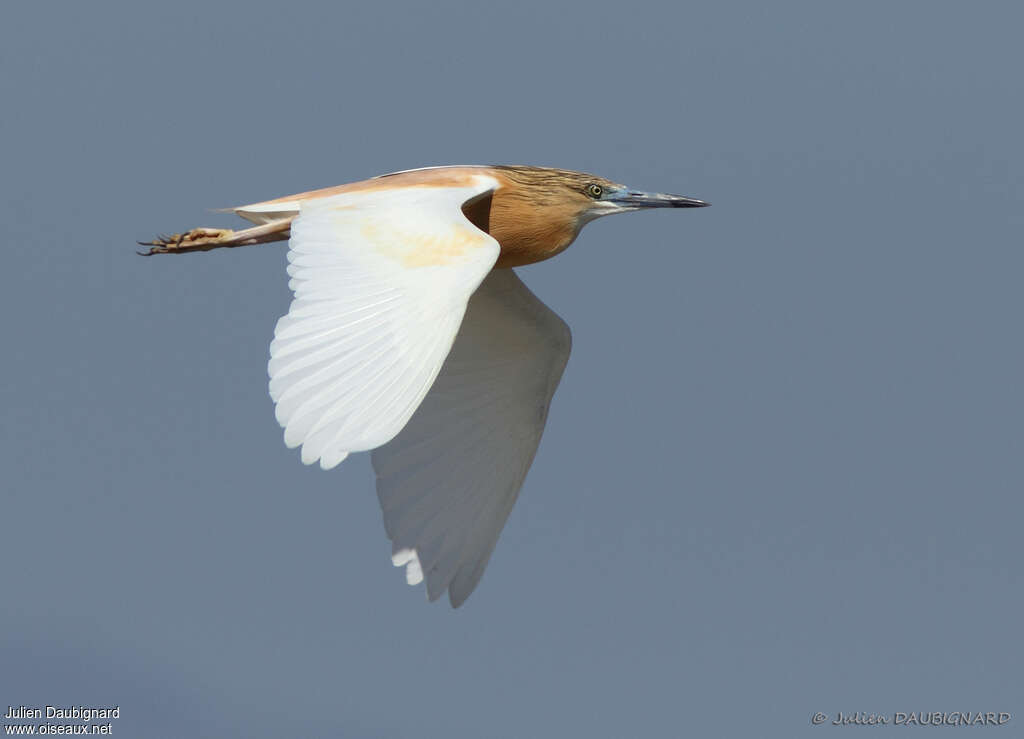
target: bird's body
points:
(528, 213)
(533, 213)
(382, 271)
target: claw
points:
(157, 246)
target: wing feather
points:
(381, 280)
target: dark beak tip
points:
(692, 203)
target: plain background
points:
(783, 471)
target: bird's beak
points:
(655, 200)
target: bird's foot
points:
(198, 239)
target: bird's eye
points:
(595, 191)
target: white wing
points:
(381, 279)
(448, 481)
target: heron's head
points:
(537, 212)
(587, 196)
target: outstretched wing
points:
(448, 481)
(381, 280)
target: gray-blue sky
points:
(781, 475)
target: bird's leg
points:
(205, 239)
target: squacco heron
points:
(382, 271)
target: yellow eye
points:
(595, 191)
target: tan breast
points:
(530, 226)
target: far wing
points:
(381, 280)
(448, 481)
